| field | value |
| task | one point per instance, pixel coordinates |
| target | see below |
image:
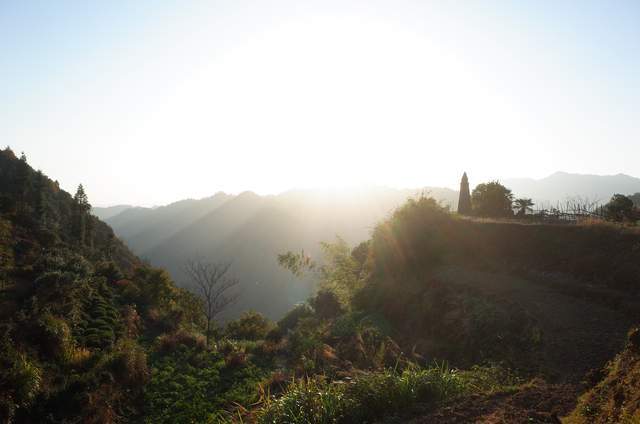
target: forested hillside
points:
(250, 230)
(78, 310)
(437, 317)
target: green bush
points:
(54, 337)
(411, 240)
(367, 398)
(193, 386)
(298, 312)
(326, 304)
(250, 326)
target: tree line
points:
(494, 200)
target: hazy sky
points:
(146, 102)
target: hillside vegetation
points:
(436, 318)
(250, 230)
(84, 324)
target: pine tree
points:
(82, 214)
(464, 201)
(22, 187)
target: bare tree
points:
(214, 286)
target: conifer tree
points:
(82, 214)
(22, 186)
(464, 201)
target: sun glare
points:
(330, 102)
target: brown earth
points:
(537, 402)
(578, 336)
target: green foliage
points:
(492, 200)
(20, 378)
(291, 318)
(69, 321)
(352, 323)
(367, 398)
(306, 342)
(340, 270)
(54, 337)
(250, 326)
(309, 401)
(327, 304)
(101, 323)
(82, 225)
(523, 206)
(191, 385)
(297, 263)
(7, 260)
(109, 270)
(411, 239)
(149, 287)
(621, 208)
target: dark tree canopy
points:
(82, 200)
(492, 199)
(621, 208)
(523, 205)
(83, 223)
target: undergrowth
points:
(372, 396)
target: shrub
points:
(54, 337)
(411, 240)
(326, 304)
(128, 364)
(250, 326)
(368, 397)
(621, 208)
(290, 320)
(167, 343)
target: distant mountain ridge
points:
(109, 211)
(251, 230)
(559, 186)
(143, 228)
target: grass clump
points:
(365, 398)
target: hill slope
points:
(75, 305)
(548, 303)
(251, 230)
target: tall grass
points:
(366, 398)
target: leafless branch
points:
(214, 286)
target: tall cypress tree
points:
(82, 214)
(464, 201)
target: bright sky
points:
(147, 102)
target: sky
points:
(147, 102)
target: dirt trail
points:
(577, 336)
